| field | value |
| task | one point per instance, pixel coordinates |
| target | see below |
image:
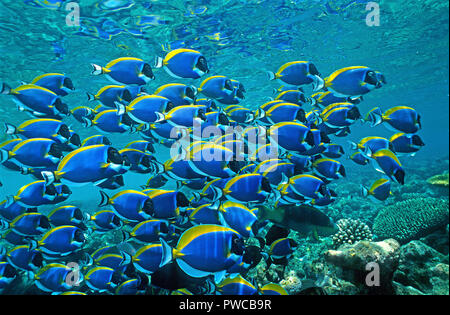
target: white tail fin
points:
(91, 97)
(271, 75)
(6, 89)
(160, 117)
(166, 253)
(49, 177)
(96, 69)
(105, 199)
(318, 83)
(86, 122)
(4, 155)
(159, 62)
(364, 191)
(121, 108)
(10, 129)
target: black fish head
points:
(126, 96)
(416, 140)
(182, 200)
(67, 83)
(114, 156)
(301, 115)
(313, 69)
(202, 64)
(400, 176)
(147, 71)
(64, 131)
(229, 85)
(148, 207)
(237, 245)
(265, 185)
(38, 259)
(75, 140)
(79, 236)
(354, 113)
(56, 150)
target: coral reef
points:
(350, 232)
(411, 219)
(421, 270)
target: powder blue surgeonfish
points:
(406, 143)
(388, 164)
(204, 250)
(179, 94)
(183, 63)
(35, 152)
(55, 82)
(298, 73)
(399, 118)
(354, 81)
(380, 189)
(126, 70)
(53, 278)
(129, 205)
(93, 164)
(41, 128)
(36, 100)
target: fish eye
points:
(64, 131)
(114, 156)
(354, 113)
(190, 92)
(147, 71)
(169, 106)
(400, 176)
(229, 85)
(79, 236)
(237, 245)
(371, 78)
(148, 207)
(163, 228)
(202, 64)
(50, 190)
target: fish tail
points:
(271, 75)
(105, 199)
(4, 225)
(121, 108)
(318, 83)
(90, 97)
(4, 155)
(87, 122)
(353, 145)
(97, 70)
(10, 129)
(167, 253)
(159, 62)
(374, 116)
(161, 117)
(364, 191)
(5, 89)
(49, 177)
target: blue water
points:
(241, 39)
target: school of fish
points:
(233, 171)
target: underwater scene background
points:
(404, 238)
